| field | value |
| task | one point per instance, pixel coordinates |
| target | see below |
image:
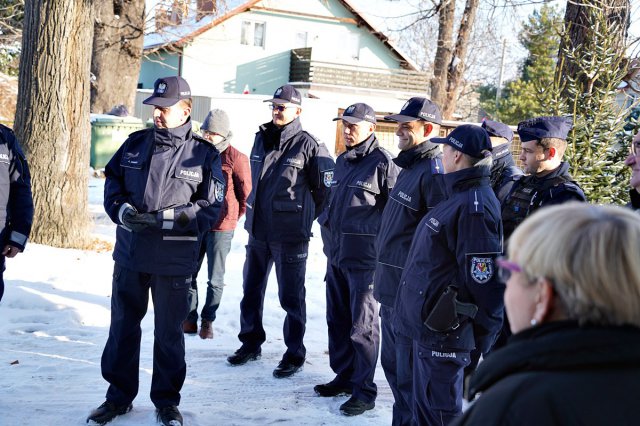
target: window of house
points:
(300, 40)
(252, 33)
(352, 46)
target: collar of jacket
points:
(408, 158)
(562, 169)
(466, 178)
(271, 133)
(635, 199)
(363, 149)
(559, 346)
(173, 137)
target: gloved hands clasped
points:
(138, 222)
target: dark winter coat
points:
(504, 172)
(16, 203)
(291, 174)
(178, 176)
(634, 198)
(455, 244)
(560, 374)
(418, 189)
(237, 174)
(363, 178)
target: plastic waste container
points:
(108, 132)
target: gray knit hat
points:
(216, 121)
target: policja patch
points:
(481, 269)
(219, 191)
(327, 178)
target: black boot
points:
(107, 412)
(169, 416)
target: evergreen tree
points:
(526, 96)
(11, 16)
(598, 144)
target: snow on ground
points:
(55, 321)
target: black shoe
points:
(287, 368)
(355, 407)
(107, 412)
(169, 416)
(242, 356)
(332, 389)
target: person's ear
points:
(545, 300)
(552, 152)
(428, 128)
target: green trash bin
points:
(108, 132)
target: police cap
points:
(467, 138)
(417, 108)
(286, 94)
(496, 128)
(358, 112)
(167, 91)
(544, 127)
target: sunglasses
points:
(506, 268)
(280, 107)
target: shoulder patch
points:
(433, 224)
(476, 202)
(481, 268)
(436, 166)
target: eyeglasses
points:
(280, 107)
(506, 268)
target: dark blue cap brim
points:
(160, 101)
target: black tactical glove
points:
(138, 222)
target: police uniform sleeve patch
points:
(218, 190)
(481, 268)
(327, 178)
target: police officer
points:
(417, 190)
(544, 141)
(291, 174)
(16, 202)
(633, 163)
(504, 171)
(164, 189)
(449, 300)
(364, 176)
(217, 242)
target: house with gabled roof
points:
(324, 47)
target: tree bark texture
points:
(444, 51)
(52, 117)
(578, 24)
(117, 52)
(455, 70)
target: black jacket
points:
(291, 174)
(418, 189)
(504, 172)
(560, 374)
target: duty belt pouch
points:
(445, 313)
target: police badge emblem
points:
(327, 178)
(219, 191)
(162, 87)
(481, 269)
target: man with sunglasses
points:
(633, 162)
(217, 242)
(449, 300)
(548, 182)
(291, 173)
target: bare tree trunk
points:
(117, 52)
(52, 117)
(444, 51)
(578, 23)
(457, 65)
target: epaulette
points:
(437, 168)
(475, 202)
(316, 139)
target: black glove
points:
(138, 222)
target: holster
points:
(445, 315)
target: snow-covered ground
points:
(54, 321)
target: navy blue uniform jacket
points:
(176, 175)
(418, 189)
(291, 174)
(456, 243)
(362, 182)
(16, 202)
